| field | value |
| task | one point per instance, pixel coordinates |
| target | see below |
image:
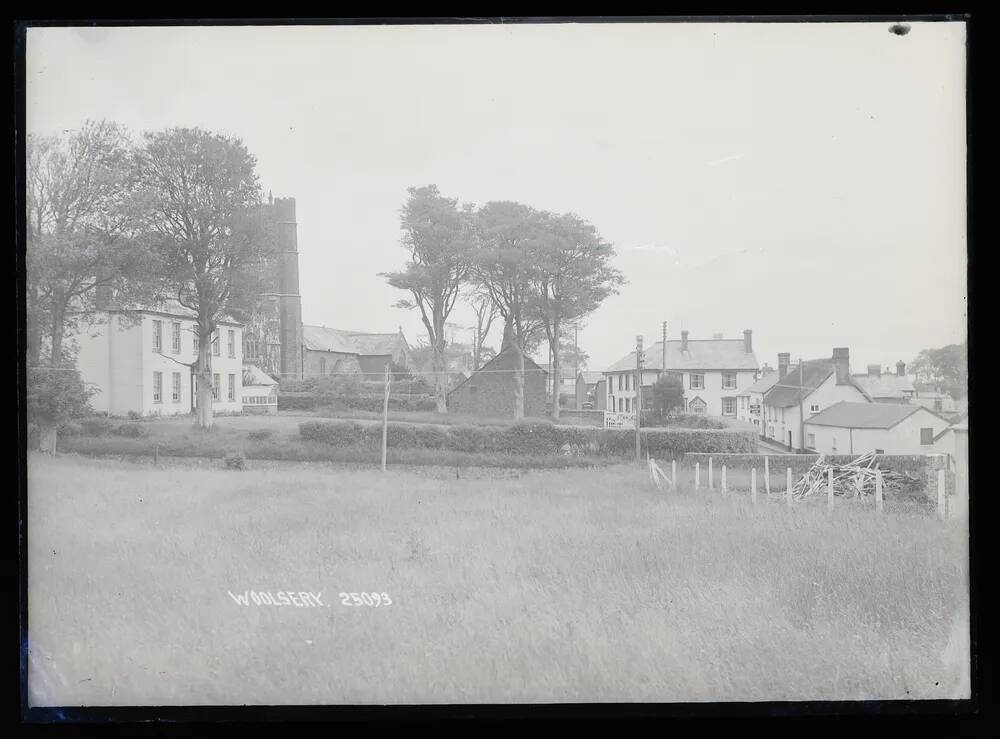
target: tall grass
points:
(576, 585)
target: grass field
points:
(575, 585)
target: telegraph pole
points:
(663, 368)
(638, 392)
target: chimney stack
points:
(901, 368)
(842, 364)
(783, 360)
(748, 341)
(874, 370)
(684, 340)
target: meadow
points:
(550, 586)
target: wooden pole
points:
(788, 486)
(829, 488)
(636, 405)
(767, 476)
(878, 491)
(711, 481)
(385, 417)
(673, 472)
(941, 495)
(753, 485)
(697, 475)
(723, 478)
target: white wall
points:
(712, 393)
(824, 396)
(903, 438)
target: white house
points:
(883, 428)
(139, 360)
(713, 372)
(750, 402)
(813, 386)
(885, 387)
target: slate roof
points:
(864, 415)
(809, 376)
(884, 386)
(762, 385)
(529, 365)
(701, 354)
(321, 338)
(591, 378)
(254, 375)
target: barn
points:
(489, 391)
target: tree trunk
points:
(205, 385)
(439, 377)
(34, 329)
(47, 437)
(556, 366)
(518, 381)
(57, 337)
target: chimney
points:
(874, 370)
(842, 364)
(684, 341)
(901, 368)
(783, 360)
(748, 341)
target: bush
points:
(473, 438)
(260, 434)
(134, 415)
(70, 429)
(235, 462)
(296, 402)
(96, 426)
(130, 430)
(334, 433)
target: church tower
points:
(289, 298)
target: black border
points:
(938, 718)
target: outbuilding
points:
(884, 428)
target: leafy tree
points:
(201, 193)
(437, 235)
(668, 394)
(571, 354)
(946, 368)
(571, 274)
(54, 395)
(486, 312)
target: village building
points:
(489, 391)
(886, 388)
(330, 351)
(936, 401)
(260, 391)
(586, 388)
(954, 441)
(811, 386)
(750, 402)
(142, 361)
(712, 371)
(857, 428)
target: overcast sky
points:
(806, 181)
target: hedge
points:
(373, 403)
(535, 438)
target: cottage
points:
(489, 391)
(713, 372)
(886, 388)
(884, 428)
(141, 361)
(812, 386)
(750, 402)
(260, 391)
(586, 388)
(330, 351)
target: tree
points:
(486, 312)
(668, 395)
(201, 194)
(81, 232)
(505, 232)
(571, 274)
(570, 353)
(437, 235)
(946, 368)
(54, 395)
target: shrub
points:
(296, 402)
(334, 433)
(70, 429)
(134, 415)
(260, 434)
(473, 438)
(529, 438)
(235, 462)
(130, 430)
(96, 426)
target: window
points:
(811, 440)
(176, 382)
(215, 344)
(175, 335)
(697, 382)
(157, 336)
(880, 451)
(322, 365)
(729, 406)
(628, 403)
(197, 340)
(728, 380)
(232, 388)
(814, 408)
(215, 385)
(157, 386)
(619, 382)
(833, 444)
(926, 436)
(232, 343)
(621, 405)
(627, 378)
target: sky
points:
(804, 181)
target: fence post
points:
(673, 472)
(788, 486)
(723, 478)
(829, 488)
(942, 500)
(711, 482)
(697, 475)
(878, 491)
(156, 454)
(753, 485)
(767, 476)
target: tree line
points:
(172, 214)
(536, 270)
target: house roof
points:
(961, 423)
(168, 307)
(254, 375)
(321, 338)
(701, 354)
(798, 383)
(529, 364)
(591, 378)
(884, 386)
(762, 385)
(864, 415)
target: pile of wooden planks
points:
(855, 479)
